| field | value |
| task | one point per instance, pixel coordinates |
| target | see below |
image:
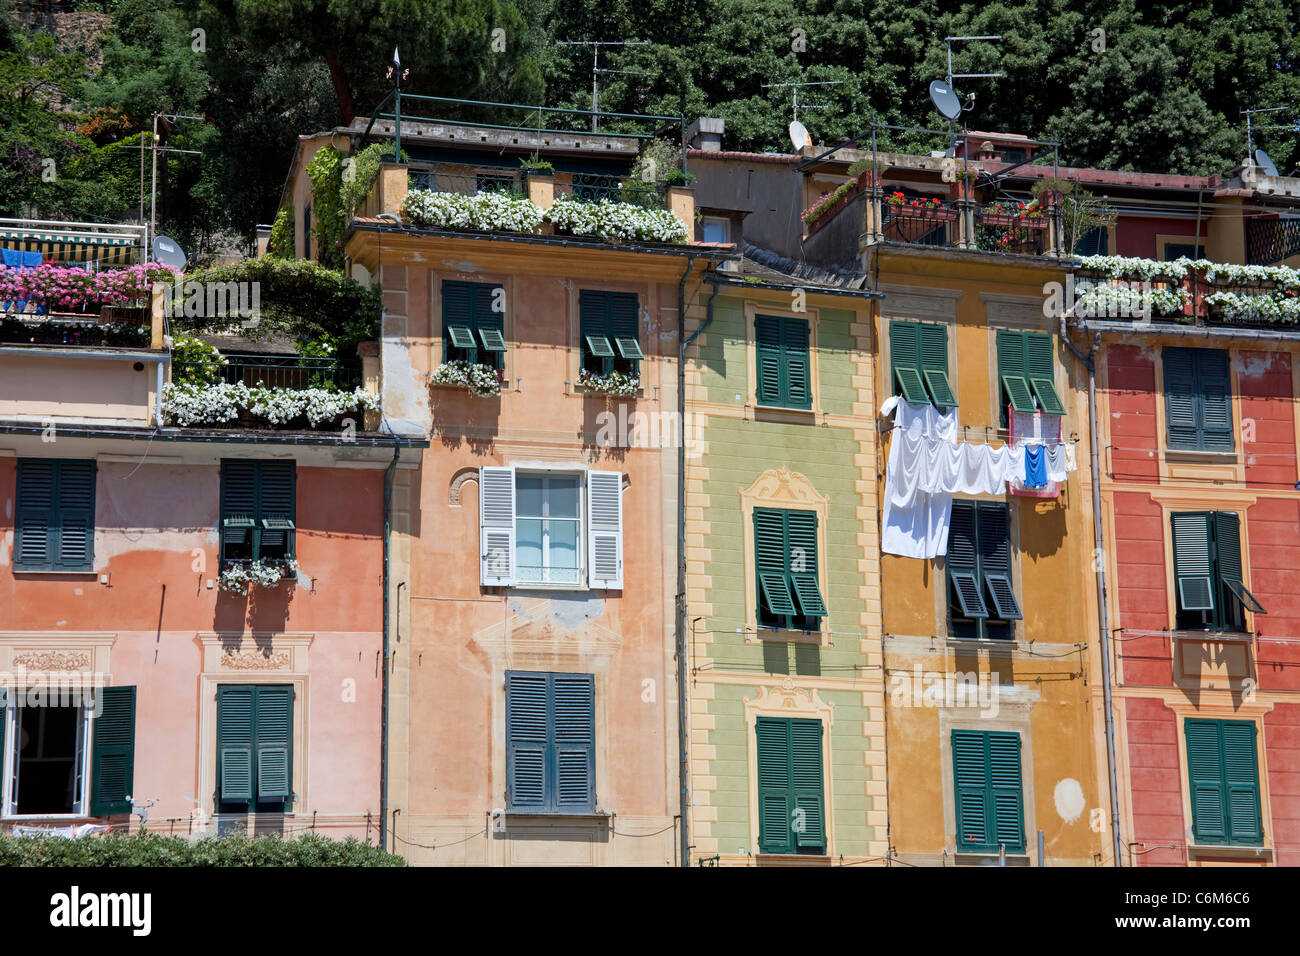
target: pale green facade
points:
(821, 460)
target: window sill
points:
(793, 859)
(989, 857)
(759, 634)
(588, 815)
(88, 573)
(1200, 454)
(1234, 851)
(597, 393)
(784, 412)
(1214, 637)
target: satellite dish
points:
(945, 100)
(169, 252)
(1265, 162)
(799, 136)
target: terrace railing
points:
(270, 371)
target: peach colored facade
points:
(150, 615)
(456, 638)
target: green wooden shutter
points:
(1041, 371)
(574, 740)
(1227, 554)
(905, 359)
(1180, 398)
(961, 561)
(1241, 781)
(794, 343)
(989, 791)
(34, 515)
(767, 342)
(972, 796)
(1012, 371)
(113, 755)
(458, 321)
(774, 800)
(277, 496)
(623, 326)
(1214, 388)
(933, 352)
(75, 533)
(1205, 773)
(1193, 573)
(1008, 813)
(592, 308)
(527, 722)
(808, 824)
(239, 513)
(274, 742)
(235, 743)
(802, 539)
(995, 559)
(771, 550)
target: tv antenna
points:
(943, 99)
(1259, 157)
(795, 102)
(151, 226)
(596, 68)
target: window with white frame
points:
(45, 771)
(543, 527)
(715, 229)
(67, 751)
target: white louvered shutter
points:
(605, 529)
(496, 521)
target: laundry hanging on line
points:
(927, 466)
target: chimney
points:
(706, 133)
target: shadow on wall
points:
(1042, 525)
(460, 418)
(262, 611)
(610, 426)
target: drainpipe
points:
(383, 719)
(1104, 622)
(683, 766)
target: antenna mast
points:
(596, 69)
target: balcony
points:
(80, 347)
(1185, 291)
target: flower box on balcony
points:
(911, 223)
(1011, 220)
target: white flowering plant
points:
(1233, 306)
(492, 211)
(194, 403)
(614, 220)
(1222, 273)
(611, 383)
(236, 577)
(482, 380)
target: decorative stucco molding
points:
(52, 660)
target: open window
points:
(1210, 594)
(785, 555)
(609, 329)
(1026, 374)
(918, 355)
(982, 600)
(473, 323)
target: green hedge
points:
(148, 850)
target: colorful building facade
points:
(787, 740)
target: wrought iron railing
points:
(466, 184)
(593, 187)
(929, 225)
(270, 371)
(1271, 239)
(1007, 227)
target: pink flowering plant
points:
(63, 289)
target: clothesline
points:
(1072, 440)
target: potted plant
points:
(481, 380)
(611, 383)
(911, 219)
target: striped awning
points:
(58, 247)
